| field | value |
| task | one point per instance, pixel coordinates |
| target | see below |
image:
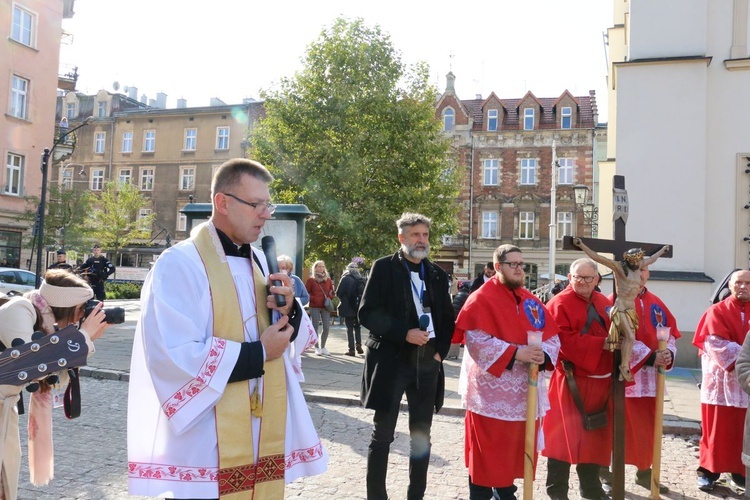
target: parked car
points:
(18, 281)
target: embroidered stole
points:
(240, 476)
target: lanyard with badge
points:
(418, 295)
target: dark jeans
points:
(98, 289)
(420, 385)
(477, 492)
(558, 473)
(353, 332)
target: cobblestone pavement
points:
(90, 456)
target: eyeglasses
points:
(587, 279)
(258, 205)
(514, 265)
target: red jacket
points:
(318, 291)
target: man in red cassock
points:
(719, 338)
(582, 315)
(493, 325)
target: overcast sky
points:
(231, 49)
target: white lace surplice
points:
(501, 397)
(719, 386)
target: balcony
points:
(67, 78)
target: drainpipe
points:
(471, 202)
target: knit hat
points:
(65, 296)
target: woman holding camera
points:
(59, 301)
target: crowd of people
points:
(215, 405)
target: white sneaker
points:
(318, 351)
(325, 351)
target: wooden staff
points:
(534, 339)
(662, 334)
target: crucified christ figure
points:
(627, 286)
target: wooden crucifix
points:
(618, 247)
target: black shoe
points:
(359, 349)
(705, 484)
(349, 353)
(605, 475)
(643, 479)
(597, 495)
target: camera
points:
(112, 315)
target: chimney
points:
(215, 101)
(451, 82)
(144, 99)
(133, 93)
(152, 103)
(478, 97)
(181, 103)
(161, 100)
(594, 106)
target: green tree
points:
(115, 223)
(65, 220)
(354, 136)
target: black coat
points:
(478, 281)
(349, 293)
(387, 311)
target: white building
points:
(679, 131)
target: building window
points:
(222, 137)
(566, 117)
(13, 170)
(97, 179)
(565, 172)
(187, 178)
(492, 120)
(191, 137)
(124, 175)
(99, 138)
(181, 221)
(127, 142)
(489, 224)
(19, 94)
(102, 109)
(564, 224)
(147, 179)
(528, 172)
(528, 118)
(526, 225)
(143, 219)
(23, 25)
(66, 177)
(70, 110)
(449, 119)
(490, 172)
(149, 141)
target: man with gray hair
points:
(579, 387)
(407, 309)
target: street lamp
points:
(62, 139)
(552, 222)
(584, 205)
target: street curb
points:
(670, 426)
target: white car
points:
(18, 281)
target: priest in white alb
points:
(215, 407)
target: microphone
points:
(269, 249)
(424, 322)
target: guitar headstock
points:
(34, 360)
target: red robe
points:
(723, 403)
(495, 398)
(640, 403)
(564, 435)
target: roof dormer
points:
(566, 109)
(529, 112)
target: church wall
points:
(662, 154)
(667, 28)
